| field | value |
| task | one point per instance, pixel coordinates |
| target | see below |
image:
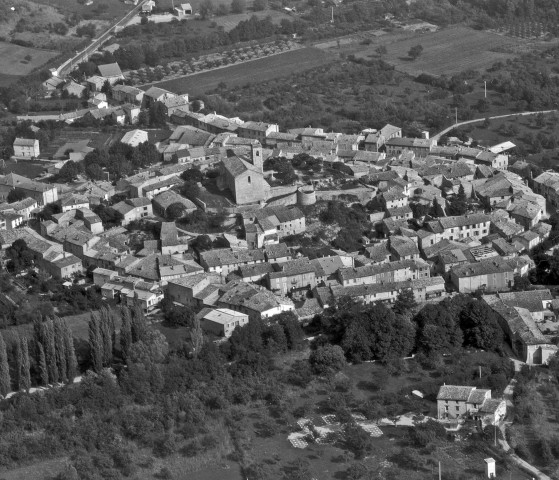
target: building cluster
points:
(409, 186)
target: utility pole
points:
(439, 470)
(456, 115)
(480, 371)
(485, 87)
(332, 21)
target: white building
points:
(26, 148)
(135, 137)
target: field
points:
(13, 59)
(26, 168)
(447, 51)
(231, 21)
(115, 8)
(254, 71)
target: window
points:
(249, 180)
(457, 408)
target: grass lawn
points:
(269, 68)
(447, 51)
(27, 168)
(14, 63)
(37, 471)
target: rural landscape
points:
(292, 240)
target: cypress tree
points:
(43, 370)
(60, 350)
(95, 343)
(125, 332)
(18, 360)
(25, 373)
(5, 381)
(71, 360)
(50, 350)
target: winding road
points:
(496, 117)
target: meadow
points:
(445, 52)
(229, 22)
(261, 70)
(18, 61)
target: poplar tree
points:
(125, 332)
(5, 381)
(106, 334)
(18, 360)
(60, 350)
(96, 343)
(50, 350)
(25, 373)
(196, 337)
(43, 370)
(138, 323)
(71, 360)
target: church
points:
(243, 176)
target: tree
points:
(327, 359)
(196, 337)
(69, 171)
(47, 339)
(405, 302)
(138, 324)
(71, 360)
(415, 51)
(237, 6)
(438, 330)
(480, 326)
(16, 195)
(357, 440)
(125, 332)
(43, 370)
(458, 205)
(60, 350)
(176, 210)
(87, 30)
(259, 5)
(381, 50)
(5, 381)
(96, 343)
(24, 364)
(206, 9)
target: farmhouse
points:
(110, 72)
(460, 402)
(221, 321)
(26, 148)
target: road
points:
(66, 67)
(507, 395)
(496, 117)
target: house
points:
(95, 83)
(295, 277)
(10, 220)
(118, 115)
(127, 94)
(43, 193)
(131, 112)
(527, 239)
(73, 201)
(99, 100)
(491, 275)
(424, 289)
(172, 104)
(221, 321)
(131, 291)
(373, 141)
(454, 228)
(110, 72)
(155, 94)
(257, 302)
(22, 208)
(153, 188)
(134, 137)
(243, 176)
(226, 260)
(26, 148)
(421, 147)
(257, 130)
(170, 241)
(547, 184)
(183, 10)
(521, 330)
(272, 223)
(403, 248)
(383, 273)
(74, 89)
(165, 199)
(134, 209)
(460, 402)
(198, 290)
(62, 265)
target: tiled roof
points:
(226, 256)
(455, 393)
(484, 267)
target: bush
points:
(327, 360)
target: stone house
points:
(26, 148)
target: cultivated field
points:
(231, 21)
(280, 65)
(13, 59)
(447, 51)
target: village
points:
(442, 217)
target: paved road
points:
(66, 67)
(496, 117)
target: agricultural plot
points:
(181, 68)
(17, 60)
(231, 21)
(448, 51)
(106, 10)
(255, 71)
